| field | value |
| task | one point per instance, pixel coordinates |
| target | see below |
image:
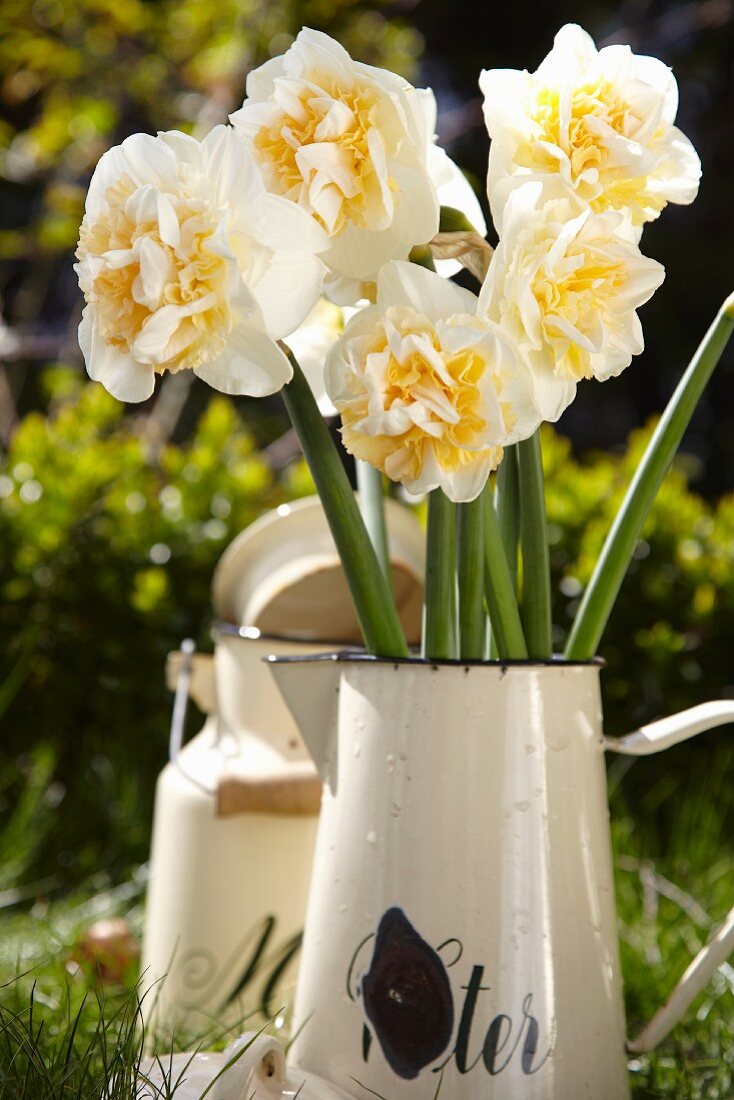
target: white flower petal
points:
(150, 160)
(253, 365)
(287, 291)
(155, 271)
(466, 483)
(551, 395)
(453, 188)
(401, 283)
(119, 373)
(311, 344)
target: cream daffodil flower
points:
(353, 146)
(564, 286)
(599, 125)
(428, 393)
(186, 262)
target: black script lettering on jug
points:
(407, 996)
(265, 963)
(503, 1038)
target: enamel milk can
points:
(237, 807)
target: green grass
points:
(63, 1037)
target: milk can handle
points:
(181, 700)
(178, 715)
(648, 739)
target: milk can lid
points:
(282, 575)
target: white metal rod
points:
(697, 976)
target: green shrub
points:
(108, 548)
(107, 556)
(669, 641)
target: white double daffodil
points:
(564, 286)
(598, 125)
(428, 393)
(186, 261)
(353, 146)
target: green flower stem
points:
(507, 503)
(536, 601)
(611, 567)
(507, 632)
(472, 620)
(373, 600)
(372, 507)
(439, 625)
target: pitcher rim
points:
(347, 656)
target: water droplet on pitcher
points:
(357, 749)
(558, 740)
(390, 760)
(395, 809)
(522, 806)
(342, 908)
(371, 836)
(530, 748)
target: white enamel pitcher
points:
(461, 925)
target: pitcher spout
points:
(310, 688)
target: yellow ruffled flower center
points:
(587, 149)
(325, 113)
(577, 293)
(448, 419)
(189, 276)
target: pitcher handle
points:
(654, 737)
(261, 1065)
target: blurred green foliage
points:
(108, 552)
(671, 634)
(109, 544)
